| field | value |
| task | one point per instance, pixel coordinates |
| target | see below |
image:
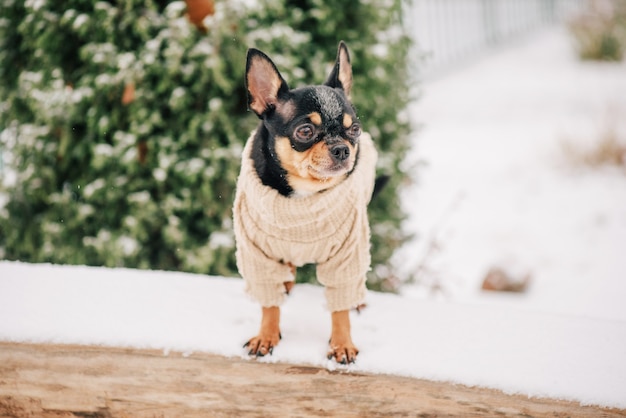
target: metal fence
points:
(448, 32)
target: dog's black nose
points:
(340, 152)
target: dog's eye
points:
(305, 132)
(355, 130)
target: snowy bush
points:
(126, 122)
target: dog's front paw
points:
(343, 352)
(263, 343)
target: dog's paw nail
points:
(271, 350)
(330, 356)
(246, 344)
(280, 336)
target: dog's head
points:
(311, 133)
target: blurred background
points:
(451, 32)
(122, 122)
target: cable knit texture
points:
(329, 228)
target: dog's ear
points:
(341, 76)
(264, 83)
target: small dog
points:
(307, 175)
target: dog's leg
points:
(342, 348)
(289, 285)
(269, 334)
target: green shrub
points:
(125, 123)
(600, 31)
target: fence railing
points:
(447, 32)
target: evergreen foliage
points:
(125, 123)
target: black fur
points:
(267, 165)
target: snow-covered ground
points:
(495, 188)
(498, 188)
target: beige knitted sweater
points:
(329, 228)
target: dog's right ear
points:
(264, 83)
(341, 76)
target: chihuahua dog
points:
(307, 176)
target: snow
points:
(494, 189)
(535, 354)
(498, 189)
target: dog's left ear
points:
(341, 76)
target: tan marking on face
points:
(313, 170)
(316, 118)
(347, 120)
